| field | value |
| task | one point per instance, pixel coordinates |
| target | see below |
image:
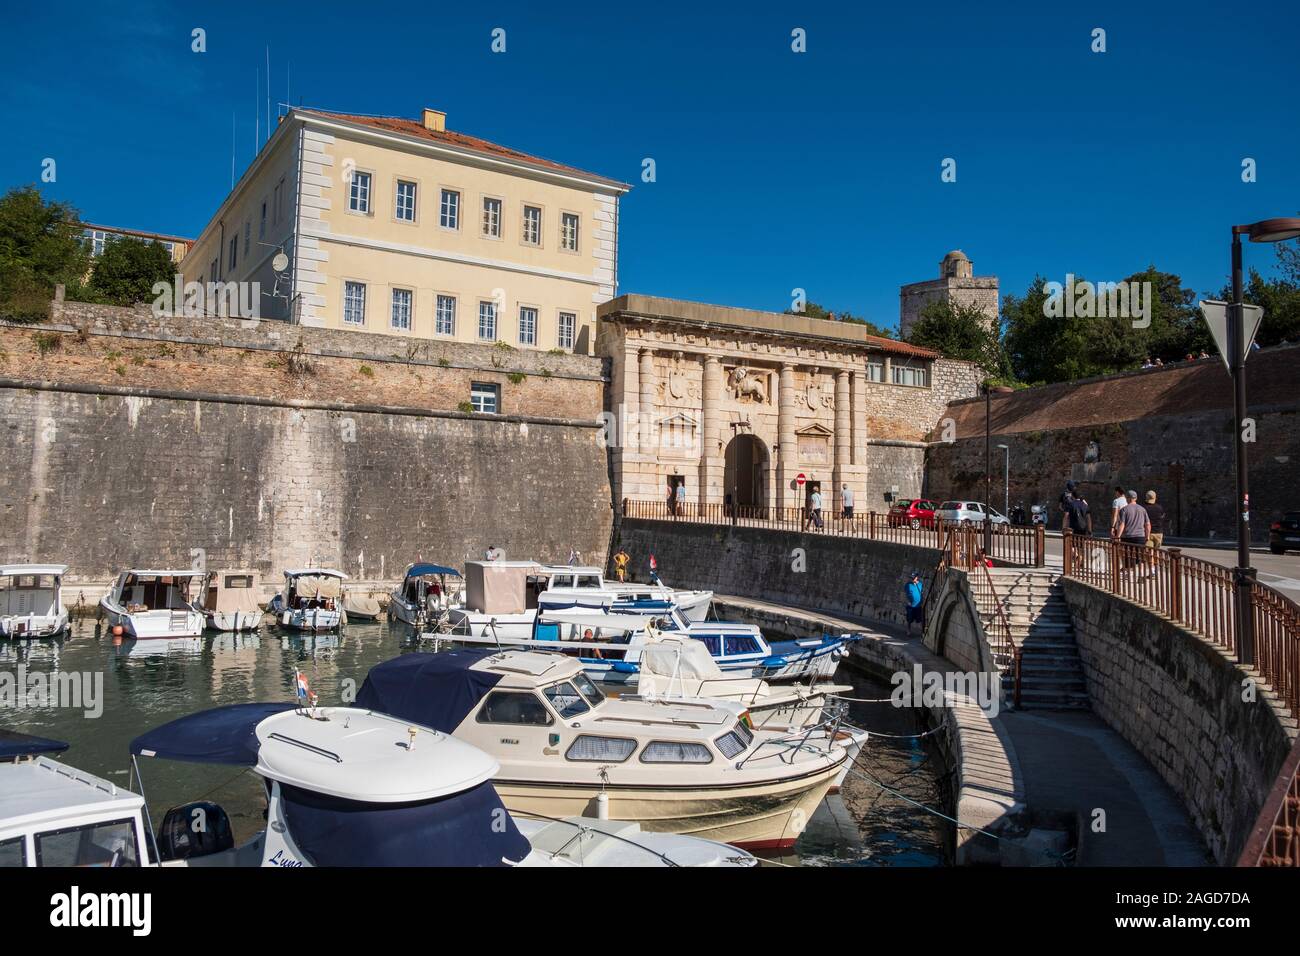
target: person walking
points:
(914, 606)
(1156, 534)
(681, 497)
(815, 508)
(1076, 519)
(1116, 507)
(620, 564)
(846, 501)
(1132, 527)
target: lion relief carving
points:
(747, 383)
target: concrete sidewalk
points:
(1051, 762)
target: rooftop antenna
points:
(268, 91)
(232, 149)
(257, 112)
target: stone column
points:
(712, 463)
(625, 433)
(843, 438)
(649, 446)
(788, 451)
(859, 418)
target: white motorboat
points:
(311, 599)
(679, 767)
(349, 787)
(507, 594)
(150, 604)
(31, 600)
(424, 598)
(229, 601)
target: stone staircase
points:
(1051, 673)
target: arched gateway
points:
(745, 473)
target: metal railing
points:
(1010, 545)
(1199, 595)
(1275, 839)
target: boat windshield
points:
(588, 689)
(566, 700)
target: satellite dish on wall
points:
(280, 262)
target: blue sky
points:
(775, 170)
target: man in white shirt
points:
(493, 553)
(814, 510)
(846, 501)
(1116, 506)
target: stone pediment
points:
(814, 430)
(680, 420)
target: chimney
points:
(435, 120)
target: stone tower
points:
(957, 281)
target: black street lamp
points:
(1266, 230)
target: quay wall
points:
(849, 576)
(135, 442)
(1178, 699)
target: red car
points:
(912, 513)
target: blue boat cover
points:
(221, 735)
(436, 690)
(470, 828)
(14, 744)
(419, 569)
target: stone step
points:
(1052, 700)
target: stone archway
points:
(745, 476)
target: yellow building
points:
(407, 228)
(96, 236)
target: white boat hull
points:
(148, 625)
(315, 619)
(23, 626)
(233, 621)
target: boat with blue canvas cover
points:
(424, 598)
(689, 767)
(348, 786)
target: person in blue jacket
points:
(915, 606)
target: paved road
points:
(1280, 571)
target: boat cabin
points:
(233, 592)
(313, 588)
(31, 599)
(140, 591)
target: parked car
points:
(1284, 535)
(967, 513)
(911, 513)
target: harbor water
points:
(872, 822)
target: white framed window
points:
(248, 237)
(875, 370)
(97, 239)
(405, 206)
(531, 233)
(491, 217)
(449, 209)
(527, 325)
(914, 375)
(444, 315)
(234, 252)
(485, 397)
(565, 327)
(487, 321)
(401, 313)
(569, 231)
(171, 249)
(359, 192)
(354, 303)
(261, 226)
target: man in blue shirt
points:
(915, 608)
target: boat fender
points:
(602, 806)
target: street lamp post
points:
(1266, 230)
(988, 468)
(1006, 481)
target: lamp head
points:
(1274, 230)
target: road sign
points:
(800, 479)
(1216, 317)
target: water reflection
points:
(147, 683)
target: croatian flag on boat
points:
(302, 685)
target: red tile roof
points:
(415, 128)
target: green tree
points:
(814, 311)
(962, 332)
(40, 247)
(127, 269)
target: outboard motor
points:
(193, 830)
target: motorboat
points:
(360, 607)
(150, 604)
(424, 598)
(311, 599)
(565, 748)
(229, 601)
(503, 596)
(351, 787)
(31, 600)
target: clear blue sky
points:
(775, 169)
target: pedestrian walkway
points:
(1054, 762)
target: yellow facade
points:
(381, 219)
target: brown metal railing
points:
(1023, 547)
(1275, 839)
(1199, 595)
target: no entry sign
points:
(800, 478)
